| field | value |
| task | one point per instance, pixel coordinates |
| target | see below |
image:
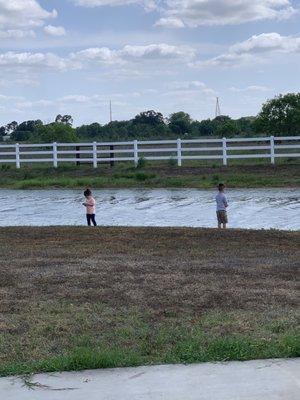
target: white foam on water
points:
(249, 208)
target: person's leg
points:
(219, 221)
(225, 220)
(94, 220)
(88, 218)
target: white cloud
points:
(76, 98)
(193, 88)
(8, 98)
(148, 4)
(170, 22)
(23, 14)
(157, 51)
(267, 42)
(194, 13)
(250, 89)
(19, 82)
(125, 57)
(102, 55)
(256, 48)
(42, 61)
(133, 54)
(55, 30)
(31, 104)
(16, 34)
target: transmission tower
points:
(218, 109)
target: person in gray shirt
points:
(222, 205)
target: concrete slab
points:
(252, 380)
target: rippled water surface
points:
(249, 208)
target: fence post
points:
(179, 153)
(17, 146)
(224, 151)
(95, 163)
(55, 155)
(112, 155)
(272, 149)
(136, 152)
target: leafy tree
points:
(180, 123)
(2, 132)
(280, 116)
(150, 117)
(54, 132)
(8, 129)
(221, 119)
(89, 131)
(64, 119)
(246, 125)
(206, 128)
(227, 129)
(25, 130)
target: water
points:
(249, 208)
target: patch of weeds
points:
(143, 176)
(142, 162)
(5, 167)
(176, 182)
(172, 162)
(215, 178)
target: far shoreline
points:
(153, 176)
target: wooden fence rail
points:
(179, 150)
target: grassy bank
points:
(153, 175)
(77, 298)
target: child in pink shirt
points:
(90, 205)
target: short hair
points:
(221, 186)
(87, 192)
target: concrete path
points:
(253, 380)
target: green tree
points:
(280, 116)
(246, 125)
(203, 128)
(227, 129)
(64, 119)
(25, 130)
(180, 123)
(2, 132)
(150, 117)
(93, 130)
(54, 132)
(8, 129)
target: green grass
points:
(255, 174)
(134, 341)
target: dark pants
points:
(91, 218)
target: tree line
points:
(279, 116)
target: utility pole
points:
(218, 109)
(110, 111)
(111, 147)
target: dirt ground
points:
(59, 282)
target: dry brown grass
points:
(61, 288)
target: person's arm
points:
(91, 203)
(225, 202)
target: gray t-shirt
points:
(221, 201)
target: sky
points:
(74, 56)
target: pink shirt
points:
(90, 205)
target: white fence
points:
(180, 150)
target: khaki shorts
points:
(222, 217)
